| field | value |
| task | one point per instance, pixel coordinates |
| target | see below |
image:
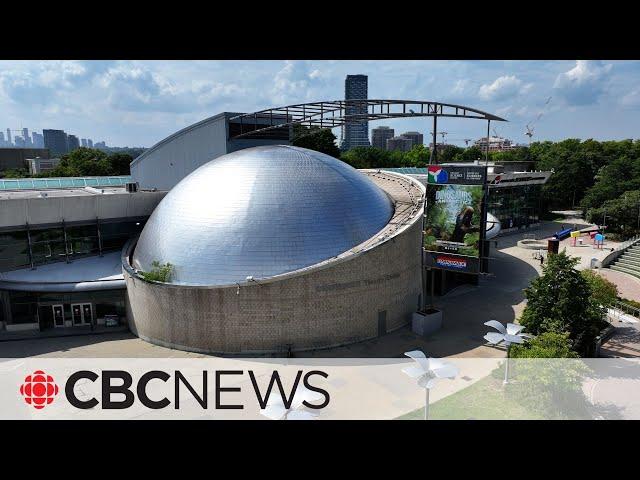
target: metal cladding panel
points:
(166, 164)
(261, 212)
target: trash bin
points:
(553, 245)
(594, 263)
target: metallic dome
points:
(261, 212)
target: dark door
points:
(76, 314)
(382, 322)
(45, 313)
(58, 315)
(87, 315)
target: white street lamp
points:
(509, 334)
(427, 371)
(276, 409)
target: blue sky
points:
(140, 102)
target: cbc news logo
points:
(39, 389)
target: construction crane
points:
(444, 141)
(529, 126)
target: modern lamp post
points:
(427, 371)
(276, 409)
(509, 334)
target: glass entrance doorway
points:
(58, 315)
(81, 314)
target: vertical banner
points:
(456, 217)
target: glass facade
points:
(21, 248)
(51, 310)
(515, 206)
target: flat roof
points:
(88, 273)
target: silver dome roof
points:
(261, 212)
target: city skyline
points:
(15, 138)
(141, 102)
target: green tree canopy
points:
(561, 301)
(603, 292)
(321, 140)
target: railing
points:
(627, 243)
(627, 309)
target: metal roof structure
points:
(261, 212)
(336, 113)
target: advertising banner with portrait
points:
(455, 217)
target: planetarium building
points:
(274, 249)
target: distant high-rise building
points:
(56, 142)
(355, 134)
(416, 138)
(9, 137)
(403, 144)
(37, 139)
(496, 144)
(100, 145)
(26, 137)
(73, 142)
(19, 142)
(83, 142)
(2, 144)
(380, 135)
(89, 143)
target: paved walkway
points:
(628, 285)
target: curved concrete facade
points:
(367, 291)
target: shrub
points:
(159, 272)
(545, 345)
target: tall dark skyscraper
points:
(73, 142)
(56, 142)
(355, 134)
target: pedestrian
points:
(541, 260)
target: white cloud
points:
(631, 99)
(584, 83)
(503, 88)
(296, 82)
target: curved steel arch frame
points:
(336, 113)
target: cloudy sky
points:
(137, 103)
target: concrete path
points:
(628, 285)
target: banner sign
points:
(455, 221)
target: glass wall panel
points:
(24, 307)
(83, 240)
(14, 250)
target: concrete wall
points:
(75, 208)
(334, 305)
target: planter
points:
(427, 322)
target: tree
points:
(621, 215)
(82, 162)
(119, 163)
(545, 345)
(560, 301)
(314, 138)
(603, 292)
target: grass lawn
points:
(484, 400)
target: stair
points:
(629, 261)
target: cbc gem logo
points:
(38, 389)
(437, 174)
